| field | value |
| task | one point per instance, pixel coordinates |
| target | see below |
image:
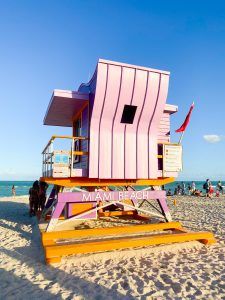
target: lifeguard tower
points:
(119, 157)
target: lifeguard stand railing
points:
(64, 163)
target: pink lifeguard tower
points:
(121, 123)
(119, 157)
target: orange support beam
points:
(50, 238)
(117, 213)
(54, 252)
(82, 181)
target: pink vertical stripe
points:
(142, 133)
(105, 141)
(118, 127)
(120, 150)
(154, 125)
(95, 117)
(131, 129)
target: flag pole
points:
(181, 138)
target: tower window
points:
(128, 114)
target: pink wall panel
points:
(142, 133)
(125, 96)
(130, 133)
(120, 150)
(106, 121)
(154, 125)
(95, 117)
(164, 128)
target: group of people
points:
(180, 189)
(37, 197)
(191, 189)
(207, 186)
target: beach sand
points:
(178, 271)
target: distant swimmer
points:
(13, 191)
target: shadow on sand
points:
(32, 257)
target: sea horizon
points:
(22, 186)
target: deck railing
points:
(63, 159)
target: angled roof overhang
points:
(64, 106)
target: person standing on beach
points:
(13, 191)
(34, 198)
(211, 190)
(206, 187)
(183, 189)
(193, 187)
(189, 188)
(43, 186)
(220, 187)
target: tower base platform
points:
(81, 241)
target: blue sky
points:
(56, 44)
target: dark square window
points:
(128, 114)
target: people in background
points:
(189, 189)
(206, 187)
(220, 187)
(211, 190)
(43, 186)
(183, 188)
(176, 191)
(197, 193)
(169, 193)
(193, 187)
(34, 198)
(13, 191)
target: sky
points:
(46, 45)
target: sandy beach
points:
(179, 271)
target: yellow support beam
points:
(79, 153)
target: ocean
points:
(22, 187)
